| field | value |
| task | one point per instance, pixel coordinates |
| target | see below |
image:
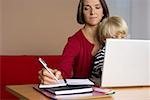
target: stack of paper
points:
(96, 94)
(72, 86)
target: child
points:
(111, 27)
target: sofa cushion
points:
(22, 70)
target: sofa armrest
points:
(22, 70)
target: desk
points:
(130, 93)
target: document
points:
(70, 86)
(68, 82)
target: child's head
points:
(113, 27)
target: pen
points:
(45, 66)
(65, 81)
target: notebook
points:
(81, 96)
(126, 63)
(70, 86)
(70, 89)
(68, 82)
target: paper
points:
(104, 90)
(69, 82)
(60, 83)
(79, 82)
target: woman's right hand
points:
(46, 78)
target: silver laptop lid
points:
(126, 63)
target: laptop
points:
(126, 63)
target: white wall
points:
(41, 27)
(149, 19)
(37, 27)
(0, 25)
(136, 13)
(140, 19)
(120, 8)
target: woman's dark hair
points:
(80, 16)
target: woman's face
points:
(93, 12)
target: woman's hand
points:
(46, 78)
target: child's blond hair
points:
(112, 25)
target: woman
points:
(78, 53)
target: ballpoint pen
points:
(45, 66)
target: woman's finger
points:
(46, 73)
(47, 77)
(47, 80)
(58, 74)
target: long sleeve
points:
(70, 52)
(76, 58)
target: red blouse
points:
(76, 61)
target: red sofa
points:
(21, 70)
